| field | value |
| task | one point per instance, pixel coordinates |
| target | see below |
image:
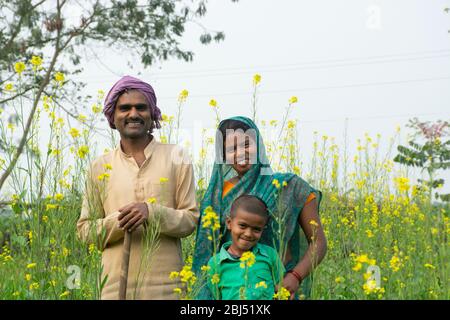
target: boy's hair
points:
(250, 203)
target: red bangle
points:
(296, 274)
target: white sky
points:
(377, 63)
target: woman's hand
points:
(290, 282)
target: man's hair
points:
(250, 203)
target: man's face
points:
(246, 229)
(132, 116)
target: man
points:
(129, 187)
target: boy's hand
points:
(133, 215)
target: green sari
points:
(288, 202)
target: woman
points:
(242, 166)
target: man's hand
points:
(133, 215)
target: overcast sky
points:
(377, 63)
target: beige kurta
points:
(128, 183)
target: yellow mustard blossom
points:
(103, 176)
(82, 118)
(205, 268)
(282, 294)
(183, 95)
(19, 67)
(9, 86)
(100, 94)
(293, 100)
(256, 79)
(370, 286)
(83, 151)
(177, 290)
(173, 275)
(429, 266)
(151, 200)
(44, 218)
(395, 263)
(31, 265)
(186, 275)
(291, 124)
(36, 61)
(96, 108)
(107, 166)
(74, 132)
(58, 196)
(247, 259)
(313, 223)
(276, 183)
(51, 206)
(210, 219)
(163, 180)
(213, 103)
(34, 286)
(59, 77)
(402, 184)
(28, 277)
(339, 279)
(64, 294)
(215, 279)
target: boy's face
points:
(246, 229)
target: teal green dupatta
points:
(257, 181)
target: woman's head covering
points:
(258, 181)
(130, 83)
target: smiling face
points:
(132, 116)
(240, 151)
(246, 229)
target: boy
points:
(244, 268)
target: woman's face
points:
(240, 151)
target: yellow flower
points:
(96, 108)
(430, 266)
(36, 61)
(276, 183)
(64, 294)
(261, 284)
(213, 103)
(339, 279)
(205, 268)
(291, 124)
(65, 252)
(59, 77)
(163, 180)
(186, 275)
(357, 266)
(395, 263)
(9, 86)
(34, 286)
(58, 197)
(11, 126)
(210, 219)
(44, 219)
(52, 283)
(151, 200)
(83, 151)
(293, 100)
(402, 184)
(183, 95)
(173, 275)
(91, 248)
(82, 118)
(282, 294)
(74, 132)
(31, 265)
(100, 94)
(51, 206)
(177, 290)
(19, 67)
(215, 279)
(103, 176)
(28, 277)
(256, 79)
(247, 259)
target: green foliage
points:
(432, 155)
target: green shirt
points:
(235, 281)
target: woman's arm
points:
(309, 221)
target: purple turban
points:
(123, 85)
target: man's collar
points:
(148, 150)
